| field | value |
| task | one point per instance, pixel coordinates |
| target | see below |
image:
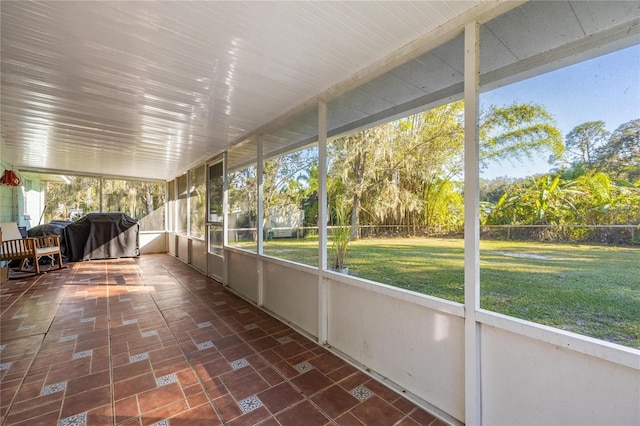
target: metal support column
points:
(473, 403)
(323, 321)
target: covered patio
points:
(200, 328)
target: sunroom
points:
(247, 139)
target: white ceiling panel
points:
(148, 88)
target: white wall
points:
(242, 273)
(394, 333)
(215, 266)
(527, 381)
(153, 242)
(291, 291)
(198, 255)
(531, 374)
(182, 248)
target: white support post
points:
(225, 217)
(100, 192)
(260, 224)
(473, 403)
(323, 319)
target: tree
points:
(546, 200)
(583, 141)
(281, 184)
(71, 200)
(517, 131)
(409, 171)
(309, 183)
(620, 156)
(357, 161)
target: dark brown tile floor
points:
(151, 341)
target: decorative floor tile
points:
(205, 345)
(303, 367)
(18, 316)
(239, 363)
(165, 380)
(56, 387)
(138, 357)
(75, 420)
(26, 327)
(137, 378)
(82, 354)
(249, 404)
(184, 302)
(361, 393)
(130, 321)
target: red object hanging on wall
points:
(10, 178)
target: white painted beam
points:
(323, 320)
(225, 217)
(473, 403)
(260, 224)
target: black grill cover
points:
(102, 236)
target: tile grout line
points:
(285, 379)
(196, 375)
(37, 351)
(111, 375)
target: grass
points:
(588, 289)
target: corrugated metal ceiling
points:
(146, 88)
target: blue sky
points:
(605, 88)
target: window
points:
(143, 201)
(558, 218)
(291, 206)
(242, 216)
(396, 203)
(171, 204)
(216, 192)
(197, 197)
(70, 197)
(181, 205)
(215, 214)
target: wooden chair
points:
(14, 247)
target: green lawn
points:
(587, 289)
